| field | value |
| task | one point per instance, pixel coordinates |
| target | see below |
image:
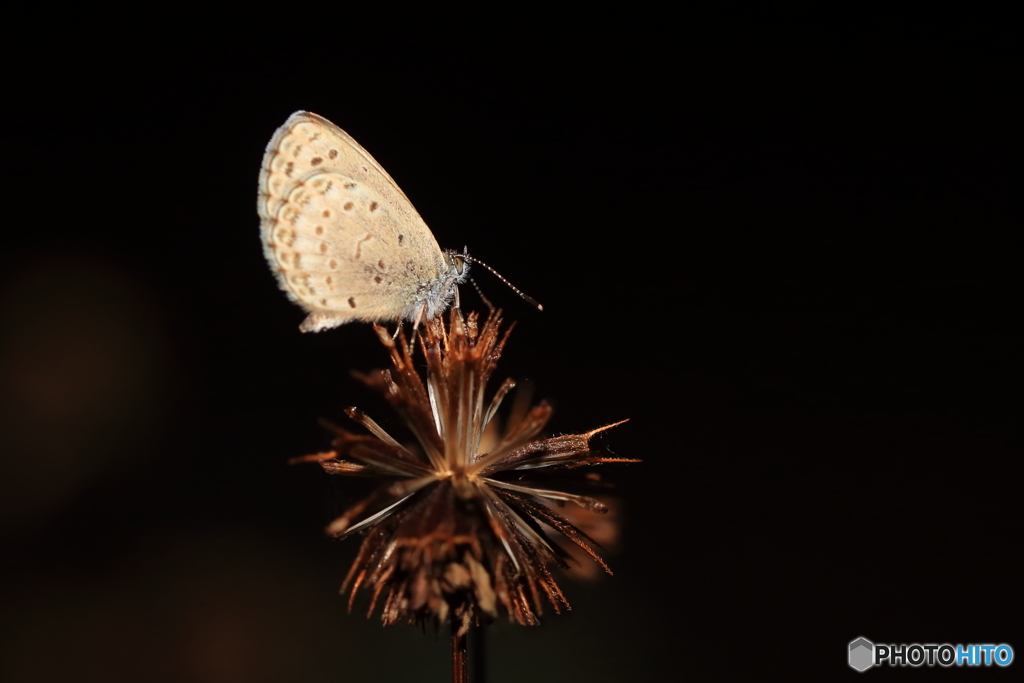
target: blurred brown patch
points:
(224, 606)
(81, 360)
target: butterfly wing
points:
(343, 240)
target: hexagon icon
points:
(862, 654)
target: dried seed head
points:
(459, 529)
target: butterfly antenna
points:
(479, 291)
(528, 299)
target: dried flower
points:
(458, 531)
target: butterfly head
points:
(459, 264)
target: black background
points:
(786, 246)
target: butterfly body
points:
(344, 241)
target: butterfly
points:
(342, 238)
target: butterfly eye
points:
(459, 263)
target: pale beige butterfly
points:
(344, 241)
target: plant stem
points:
(459, 669)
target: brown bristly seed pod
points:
(461, 528)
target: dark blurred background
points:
(786, 246)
